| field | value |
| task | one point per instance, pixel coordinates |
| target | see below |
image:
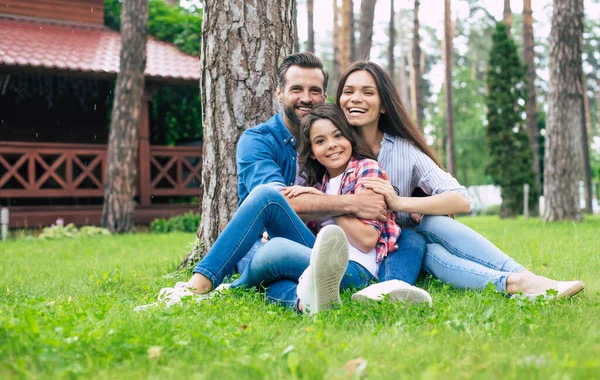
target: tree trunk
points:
(310, 43)
(345, 30)
(335, 74)
(392, 40)
(585, 147)
(507, 16)
(416, 76)
(121, 172)
(367, 14)
(240, 54)
(562, 163)
(172, 2)
(295, 18)
(352, 23)
(531, 108)
(403, 81)
(450, 150)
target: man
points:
(266, 155)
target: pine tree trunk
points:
(345, 30)
(417, 82)
(367, 14)
(507, 16)
(121, 172)
(352, 26)
(562, 163)
(335, 72)
(531, 108)
(392, 40)
(295, 18)
(585, 147)
(450, 150)
(403, 80)
(172, 2)
(310, 43)
(240, 54)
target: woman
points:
(455, 253)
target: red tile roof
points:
(93, 50)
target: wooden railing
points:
(34, 170)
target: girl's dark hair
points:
(395, 121)
(311, 170)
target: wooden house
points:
(53, 146)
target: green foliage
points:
(74, 319)
(176, 110)
(510, 152)
(60, 230)
(187, 222)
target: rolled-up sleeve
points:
(256, 162)
(431, 178)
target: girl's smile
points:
(330, 147)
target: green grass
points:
(66, 311)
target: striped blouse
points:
(408, 168)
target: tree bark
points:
(345, 30)
(367, 14)
(335, 74)
(352, 23)
(507, 16)
(121, 172)
(450, 150)
(310, 43)
(403, 80)
(531, 108)
(416, 75)
(585, 147)
(562, 163)
(240, 54)
(172, 2)
(295, 18)
(392, 40)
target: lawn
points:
(66, 311)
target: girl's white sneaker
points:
(395, 291)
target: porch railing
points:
(35, 170)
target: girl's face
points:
(329, 146)
(360, 100)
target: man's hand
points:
(369, 205)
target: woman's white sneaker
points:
(319, 285)
(395, 290)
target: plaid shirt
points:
(351, 183)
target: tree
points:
(240, 55)
(510, 151)
(345, 33)
(416, 71)
(392, 40)
(336, 69)
(310, 43)
(295, 25)
(531, 108)
(562, 163)
(448, 50)
(367, 14)
(121, 174)
(403, 82)
(507, 16)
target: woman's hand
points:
(294, 191)
(385, 188)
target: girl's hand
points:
(383, 187)
(294, 191)
(416, 218)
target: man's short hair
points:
(305, 60)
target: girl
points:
(336, 161)
(455, 253)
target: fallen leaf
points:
(154, 352)
(356, 367)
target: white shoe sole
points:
(413, 295)
(571, 290)
(328, 260)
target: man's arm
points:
(363, 205)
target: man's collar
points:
(286, 135)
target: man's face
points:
(303, 90)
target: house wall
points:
(79, 11)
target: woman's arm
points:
(446, 203)
(362, 236)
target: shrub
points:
(60, 230)
(187, 222)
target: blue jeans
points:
(278, 265)
(405, 263)
(264, 209)
(460, 256)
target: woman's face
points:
(360, 100)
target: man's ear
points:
(279, 94)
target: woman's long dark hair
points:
(312, 170)
(395, 121)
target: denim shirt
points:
(266, 155)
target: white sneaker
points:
(396, 291)
(564, 289)
(172, 296)
(319, 285)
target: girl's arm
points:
(362, 236)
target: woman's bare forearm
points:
(441, 204)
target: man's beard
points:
(290, 112)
